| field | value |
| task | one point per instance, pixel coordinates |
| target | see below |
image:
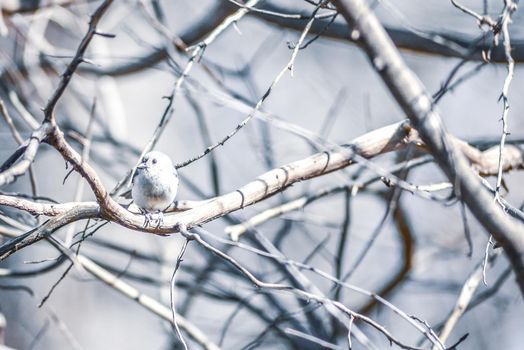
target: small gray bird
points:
(155, 184)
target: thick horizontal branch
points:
(486, 162)
(377, 142)
(386, 139)
(374, 143)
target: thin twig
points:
(196, 53)
(301, 293)
(85, 158)
(510, 7)
(289, 66)
(67, 75)
(322, 343)
(172, 290)
(489, 245)
(466, 294)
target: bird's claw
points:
(147, 219)
(151, 217)
(160, 219)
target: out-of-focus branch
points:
(192, 35)
(75, 62)
(10, 124)
(417, 104)
(20, 6)
(115, 282)
(196, 54)
(3, 324)
(301, 293)
(442, 44)
(146, 301)
(18, 138)
(9, 171)
(408, 248)
(466, 294)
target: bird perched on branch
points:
(155, 184)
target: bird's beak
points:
(142, 166)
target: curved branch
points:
(28, 150)
(78, 212)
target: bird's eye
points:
(154, 160)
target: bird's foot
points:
(159, 219)
(149, 218)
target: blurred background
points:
(419, 260)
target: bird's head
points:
(155, 160)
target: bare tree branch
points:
(416, 103)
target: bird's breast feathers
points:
(154, 191)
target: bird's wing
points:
(135, 173)
(126, 194)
